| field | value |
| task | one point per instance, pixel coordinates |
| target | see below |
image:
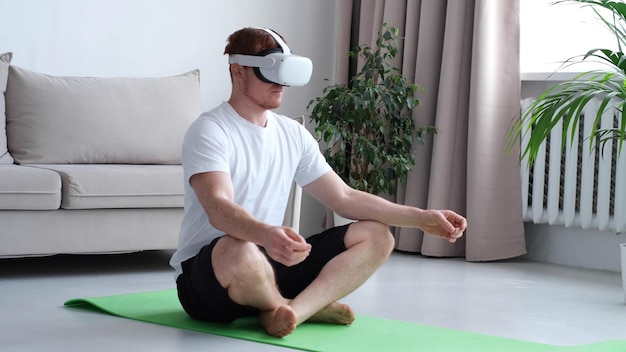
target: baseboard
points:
(591, 249)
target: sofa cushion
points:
(28, 188)
(5, 60)
(120, 186)
(88, 120)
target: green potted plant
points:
(566, 100)
(367, 126)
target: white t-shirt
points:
(262, 163)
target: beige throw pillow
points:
(5, 60)
(78, 120)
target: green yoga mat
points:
(365, 334)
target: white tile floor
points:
(517, 299)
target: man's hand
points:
(285, 246)
(444, 223)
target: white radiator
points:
(577, 187)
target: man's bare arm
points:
(215, 192)
(330, 190)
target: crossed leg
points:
(249, 279)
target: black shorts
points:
(203, 298)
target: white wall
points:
(577, 247)
(142, 38)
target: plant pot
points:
(622, 248)
(340, 220)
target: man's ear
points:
(236, 71)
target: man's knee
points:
(236, 250)
(373, 233)
(234, 258)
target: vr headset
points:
(277, 65)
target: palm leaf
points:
(566, 101)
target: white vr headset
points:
(277, 65)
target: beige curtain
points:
(465, 53)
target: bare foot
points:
(334, 313)
(279, 322)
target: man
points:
(240, 159)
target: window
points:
(552, 33)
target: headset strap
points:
(278, 39)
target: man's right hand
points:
(285, 245)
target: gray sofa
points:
(91, 164)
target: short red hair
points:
(249, 41)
